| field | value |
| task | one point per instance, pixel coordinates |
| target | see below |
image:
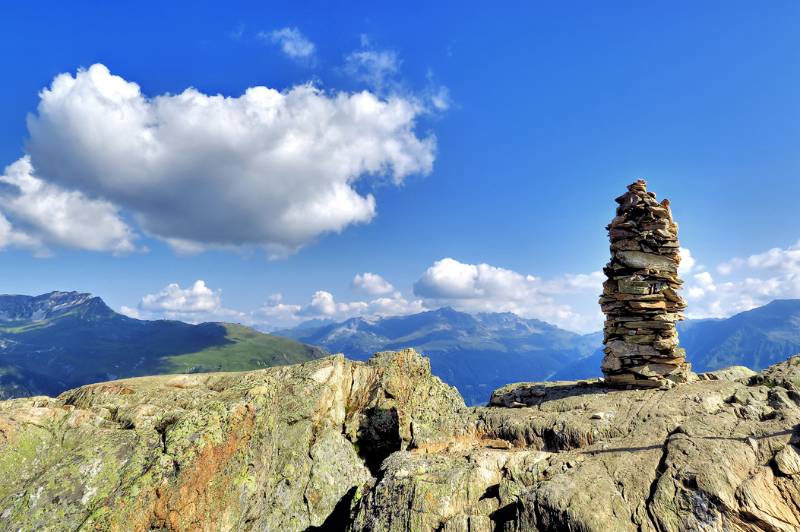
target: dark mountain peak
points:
(19, 308)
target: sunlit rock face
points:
(640, 296)
(383, 445)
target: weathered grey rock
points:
(732, 373)
(646, 261)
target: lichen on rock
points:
(384, 445)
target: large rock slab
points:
(641, 260)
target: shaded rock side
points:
(640, 295)
(384, 446)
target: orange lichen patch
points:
(200, 495)
(113, 389)
(78, 417)
(7, 429)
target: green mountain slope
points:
(247, 349)
(61, 340)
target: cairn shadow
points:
(540, 393)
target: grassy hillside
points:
(246, 349)
(58, 341)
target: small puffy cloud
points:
(37, 214)
(193, 304)
(451, 279)
(372, 284)
(173, 298)
(275, 313)
(268, 168)
(568, 301)
(323, 304)
(569, 283)
(237, 33)
(293, 43)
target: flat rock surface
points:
(383, 445)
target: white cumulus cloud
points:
(194, 304)
(292, 42)
(37, 214)
(372, 284)
(268, 168)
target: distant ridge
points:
(477, 353)
(56, 341)
(60, 340)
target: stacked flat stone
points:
(640, 296)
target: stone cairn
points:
(640, 296)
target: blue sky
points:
(495, 142)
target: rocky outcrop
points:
(640, 297)
(278, 449)
(383, 445)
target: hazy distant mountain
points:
(57, 341)
(757, 338)
(475, 353)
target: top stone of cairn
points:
(640, 295)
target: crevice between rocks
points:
(660, 470)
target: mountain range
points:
(61, 340)
(57, 341)
(477, 353)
